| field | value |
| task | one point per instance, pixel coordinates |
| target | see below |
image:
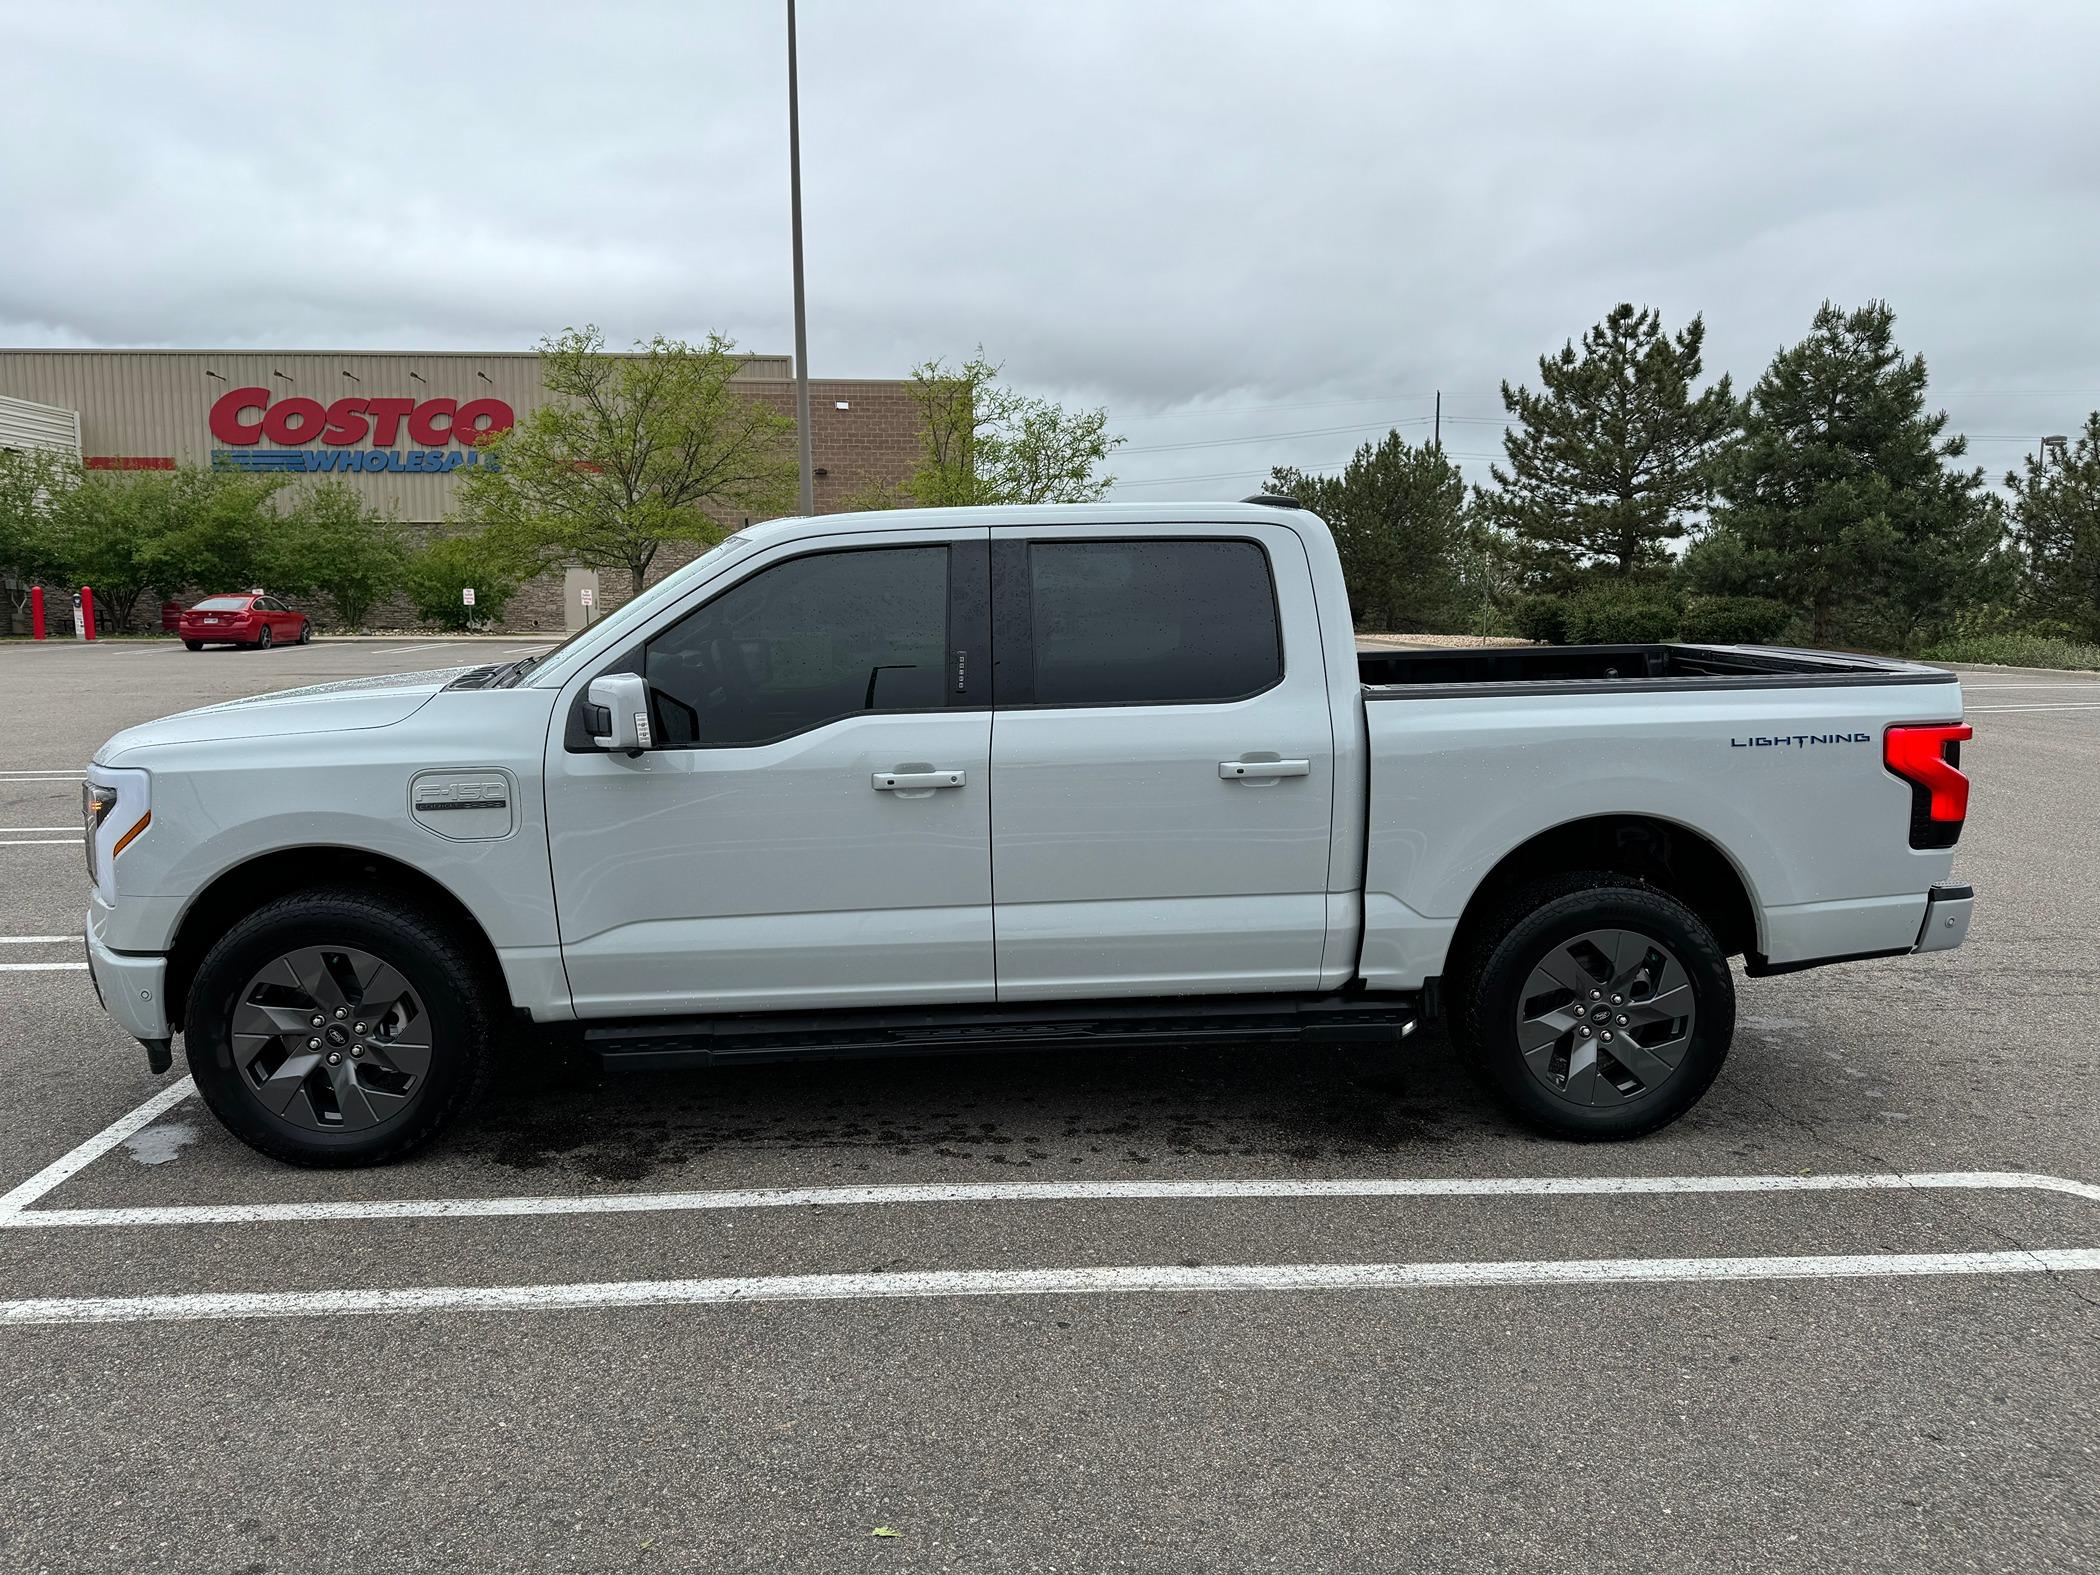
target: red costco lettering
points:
(226, 424)
(346, 422)
(422, 422)
(386, 419)
(430, 423)
(297, 420)
(469, 427)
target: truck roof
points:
(1217, 513)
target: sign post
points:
(588, 597)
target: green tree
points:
(2056, 524)
(981, 443)
(1398, 513)
(33, 485)
(127, 532)
(445, 566)
(629, 455)
(336, 545)
(212, 530)
(1840, 503)
(1612, 461)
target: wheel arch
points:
(1662, 853)
(284, 871)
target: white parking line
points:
(10, 778)
(35, 940)
(2067, 705)
(40, 842)
(11, 831)
(78, 1159)
(1037, 1282)
(51, 967)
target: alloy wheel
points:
(1606, 1017)
(331, 1039)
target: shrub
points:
(436, 576)
(1541, 618)
(1733, 620)
(1617, 614)
(2017, 650)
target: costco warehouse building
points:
(388, 424)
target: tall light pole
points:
(809, 477)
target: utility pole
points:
(802, 439)
(1437, 438)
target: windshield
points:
(633, 612)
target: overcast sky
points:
(1290, 222)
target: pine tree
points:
(1398, 513)
(1839, 501)
(2056, 522)
(1612, 461)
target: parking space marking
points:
(78, 1159)
(1160, 1278)
(43, 967)
(2067, 705)
(14, 831)
(40, 842)
(35, 940)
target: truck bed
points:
(1622, 669)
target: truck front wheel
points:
(338, 1027)
(1596, 1007)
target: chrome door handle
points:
(1236, 770)
(914, 781)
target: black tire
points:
(193, 645)
(453, 985)
(306, 634)
(263, 640)
(1489, 991)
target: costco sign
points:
(355, 433)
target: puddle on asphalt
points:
(158, 1144)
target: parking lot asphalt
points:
(794, 1373)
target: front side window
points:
(803, 643)
(1159, 622)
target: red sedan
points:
(254, 619)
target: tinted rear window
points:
(1152, 622)
(222, 604)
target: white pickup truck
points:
(927, 780)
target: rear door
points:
(1163, 762)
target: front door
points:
(1163, 762)
(812, 826)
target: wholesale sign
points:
(352, 434)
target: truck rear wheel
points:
(338, 1027)
(1596, 1007)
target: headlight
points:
(115, 806)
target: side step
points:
(655, 1044)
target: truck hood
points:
(345, 706)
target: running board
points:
(655, 1044)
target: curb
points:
(2074, 674)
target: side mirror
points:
(621, 701)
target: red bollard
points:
(36, 611)
(87, 612)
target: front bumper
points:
(1947, 912)
(132, 988)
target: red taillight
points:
(1929, 759)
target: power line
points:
(1276, 437)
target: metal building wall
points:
(26, 425)
(151, 409)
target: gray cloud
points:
(1219, 220)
